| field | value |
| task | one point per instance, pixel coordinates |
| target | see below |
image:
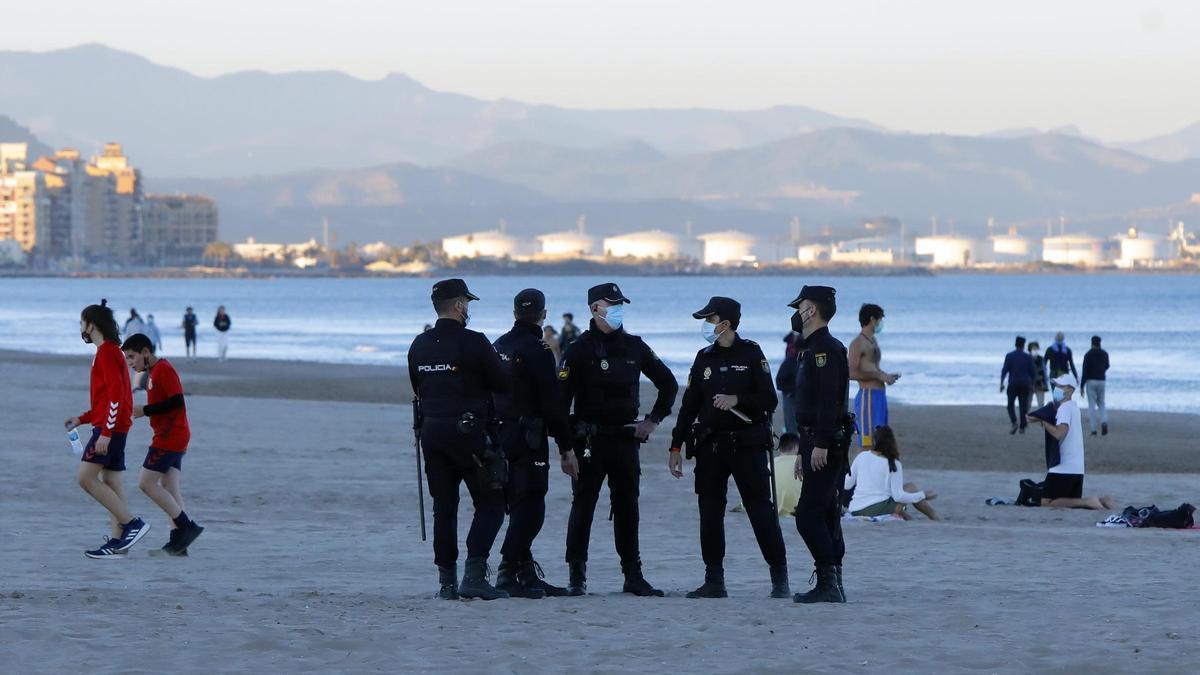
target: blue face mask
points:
(1058, 395)
(615, 316)
(709, 331)
(879, 327)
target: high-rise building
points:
(177, 228)
(24, 204)
(112, 228)
(66, 184)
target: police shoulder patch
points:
(766, 367)
(822, 359)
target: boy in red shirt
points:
(164, 461)
(104, 457)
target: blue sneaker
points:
(111, 549)
(131, 533)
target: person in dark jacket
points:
(1021, 373)
(1039, 379)
(601, 375)
(822, 381)
(1095, 370)
(454, 373)
(1059, 359)
(730, 399)
(785, 382)
(531, 414)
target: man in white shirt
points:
(1064, 482)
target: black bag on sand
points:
(1030, 494)
(1176, 519)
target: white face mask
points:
(615, 317)
(709, 331)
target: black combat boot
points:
(636, 584)
(838, 575)
(825, 590)
(713, 586)
(577, 583)
(448, 578)
(509, 578)
(475, 581)
(532, 576)
(779, 582)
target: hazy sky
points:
(1120, 70)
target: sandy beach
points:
(304, 476)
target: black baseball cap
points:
(815, 294)
(529, 300)
(609, 292)
(451, 288)
(727, 308)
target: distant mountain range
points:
(908, 175)
(11, 132)
(440, 163)
(174, 123)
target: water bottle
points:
(73, 439)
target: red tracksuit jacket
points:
(112, 394)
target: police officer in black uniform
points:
(731, 398)
(454, 372)
(601, 374)
(532, 411)
(822, 381)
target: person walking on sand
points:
(163, 466)
(1039, 373)
(1059, 358)
(1020, 370)
(1063, 487)
(222, 323)
(134, 324)
(1095, 369)
(870, 403)
(877, 478)
(189, 332)
(103, 461)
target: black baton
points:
(420, 480)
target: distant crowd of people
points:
(135, 325)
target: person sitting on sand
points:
(878, 481)
(1064, 482)
(787, 486)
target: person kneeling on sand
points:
(1064, 481)
(878, 481)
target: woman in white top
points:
(878, 479)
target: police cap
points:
(451, 288)
(814, 294)
(727, 308)
(528, 301)
(609, 292)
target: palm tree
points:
(219, 252)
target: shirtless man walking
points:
(870, 403)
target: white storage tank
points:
(948, 251)
(1011, 248)
(1139, 249)
(728, 248)
(1073, 249)
(648, 244)
(874, 251)
(489, 244)
(567, 244)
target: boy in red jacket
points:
(104, 456)
(164, 461)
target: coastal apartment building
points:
(113, 198)
(177, 228)
(24, 206)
